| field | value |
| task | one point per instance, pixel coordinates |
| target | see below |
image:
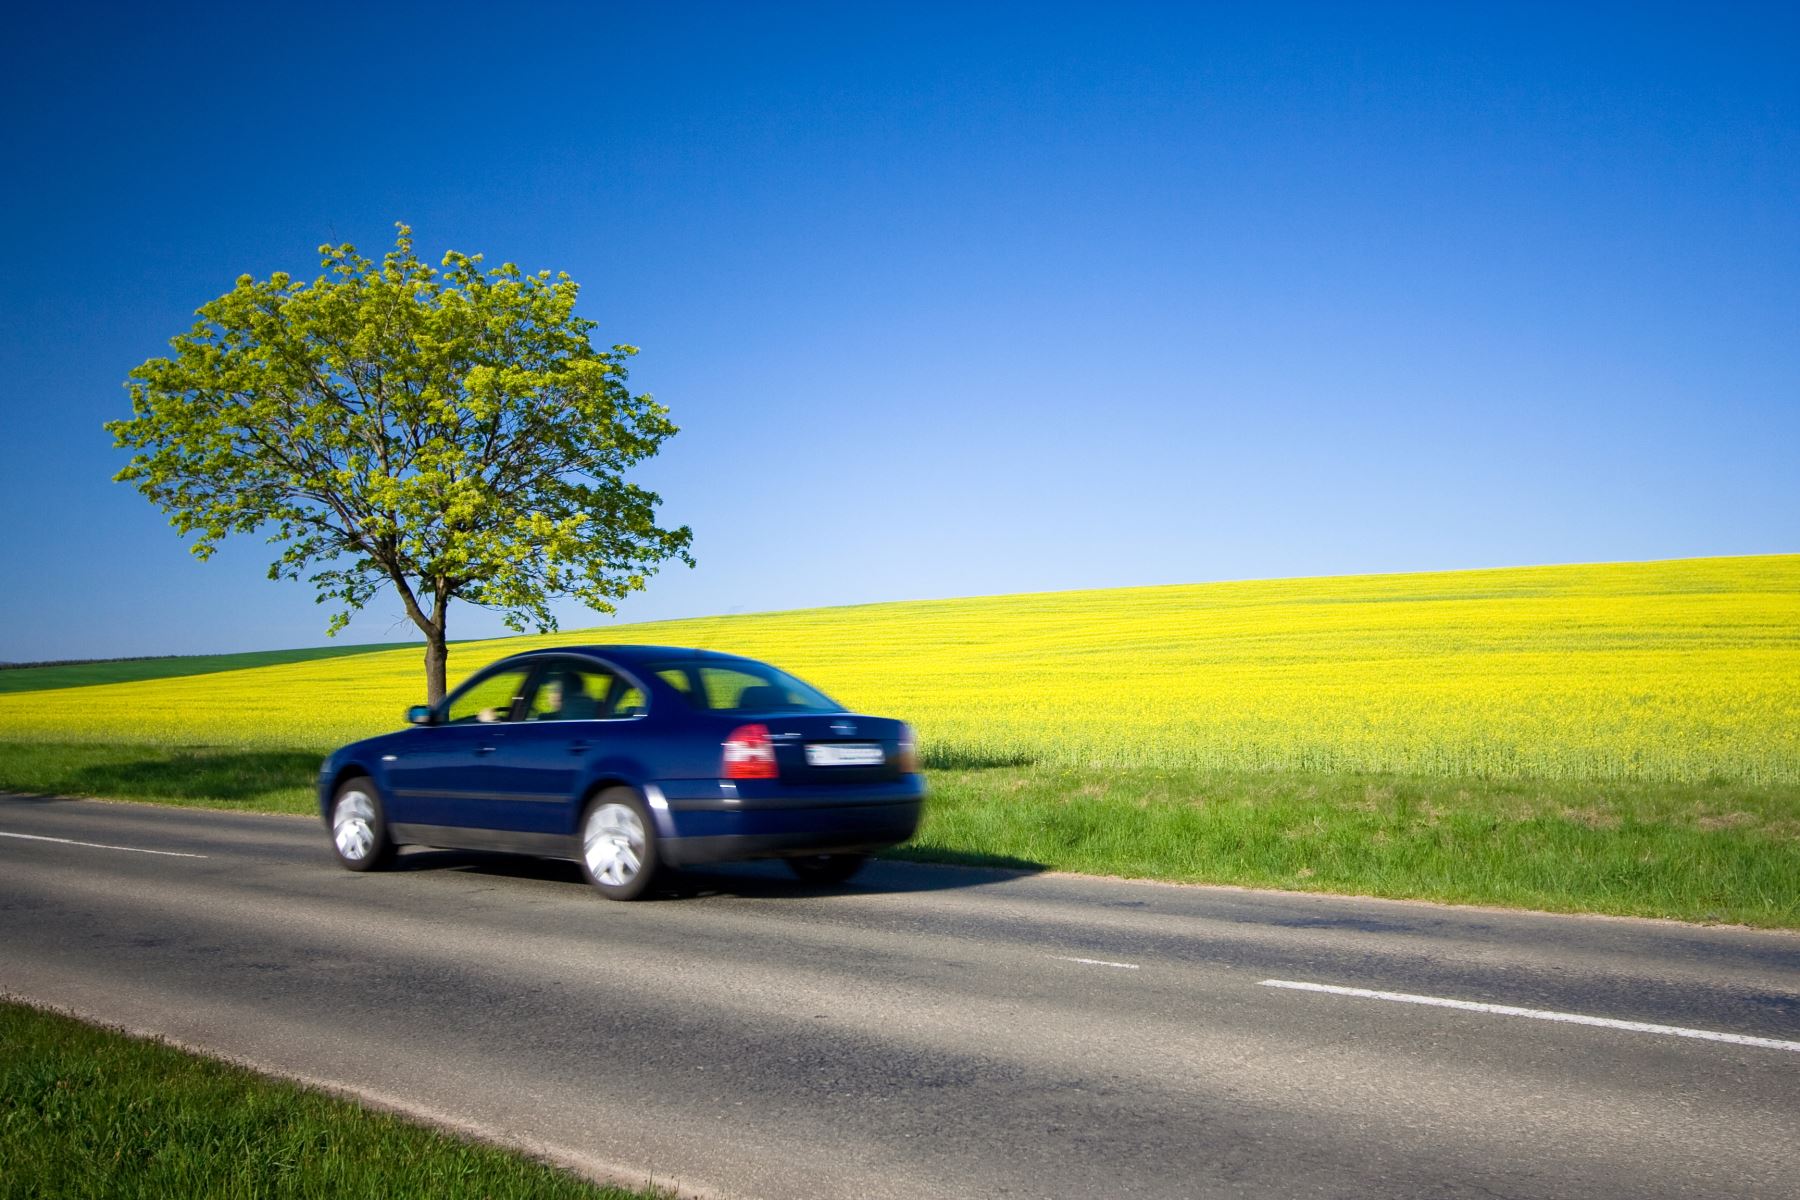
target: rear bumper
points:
(894, 827)
(717, 829)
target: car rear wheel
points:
(359, 832)
(827, 868)
(618, 845)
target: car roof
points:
(629, 655)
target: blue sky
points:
(956, 301)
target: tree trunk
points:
(437, 657)
(437, 653)
(437, 650)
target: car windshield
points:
(743, 687)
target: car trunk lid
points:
(835, 748)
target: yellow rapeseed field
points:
(1683, 670)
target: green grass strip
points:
(87, 1112)
(1714, 852)
(131, 670)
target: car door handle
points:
(486, 749)
(580, 746)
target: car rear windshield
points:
(743, 687)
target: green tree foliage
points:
(451, 432)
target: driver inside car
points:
(563, 697)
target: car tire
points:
(618, 845)
(826, 868)
(359, 830)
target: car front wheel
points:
(359, 832)
(618, 845)
(826, 868)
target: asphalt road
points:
(929, 1031)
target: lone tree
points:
(450, 432)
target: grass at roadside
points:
(1694, 851)
(203, 776)
(90, 1112)
(1698, 852)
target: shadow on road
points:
(750, 880)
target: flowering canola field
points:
(1684, 671)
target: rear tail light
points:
(749, 754)
(909, 751)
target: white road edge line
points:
(35, 837)
(1095, 962)
(1537, 1014)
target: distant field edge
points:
(1685, 670)
(168, 1084)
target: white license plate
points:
(845, 754)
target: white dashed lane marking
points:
(35, 837)
(1535, 1014)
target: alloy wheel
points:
(612, 842)
(353, 825)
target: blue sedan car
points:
(630, 760)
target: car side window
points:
(486, 700)
(724, 688)
(630, 701)
(570, 691)
(728, 690)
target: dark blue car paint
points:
(523, 785)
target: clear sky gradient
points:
(956, 300)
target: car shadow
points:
(760, 880)
(35, 798)
(480, 862)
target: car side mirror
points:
(419, 714)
